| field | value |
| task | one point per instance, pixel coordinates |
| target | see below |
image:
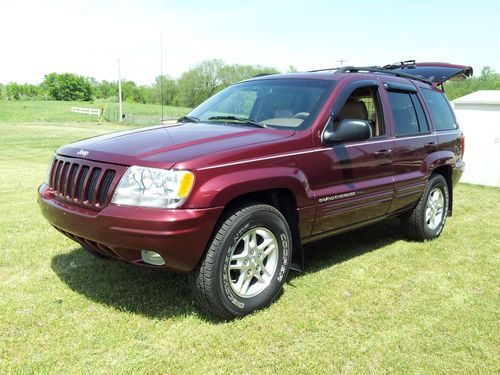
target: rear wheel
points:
(427, 219)
(246, 264)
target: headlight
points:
(152, 187)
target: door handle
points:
(381, 154)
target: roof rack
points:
(408, 64)
(384, 70)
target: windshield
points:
(275, 103)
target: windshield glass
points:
(276, 103)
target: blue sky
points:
(87, 37)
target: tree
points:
(144, 94)
(230, 74)
(68, 86)
(130, 93)
(210, 76)
(107, 90)
(15, 91)
(169, 87)
(199, 83)
(486, 72)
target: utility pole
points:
(341, 61)
(120, 92)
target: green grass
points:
(57, 111)
(368, 301)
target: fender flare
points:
(438, 160)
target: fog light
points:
(152, 257)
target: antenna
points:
(120, 92)
(161, 75)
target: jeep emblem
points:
(82, 153)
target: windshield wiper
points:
(189, 119)
(239, 119)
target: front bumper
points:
(121, 232)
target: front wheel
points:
(246, 264)
(427, 219)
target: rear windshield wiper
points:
(189, 119)
(239, 119)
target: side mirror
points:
(348, 130)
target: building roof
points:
(480, 97)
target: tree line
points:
(190, 89)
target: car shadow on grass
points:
(162, 295)
(343, 247)
(155, 294)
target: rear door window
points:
(407, 120)
(440, 110)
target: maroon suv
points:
(231, 192)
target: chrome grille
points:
(83, 182)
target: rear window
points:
(440, 110)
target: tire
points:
(246, 263)
(427, 219)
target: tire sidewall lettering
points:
(284, 243)
(258, 301)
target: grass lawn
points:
(57, 111)
(368, 301)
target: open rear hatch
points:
(435, 72)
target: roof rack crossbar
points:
(322, 70)
(379, 69)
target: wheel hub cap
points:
(434, 210)
(253, 262)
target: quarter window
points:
(440, 110)
(422, 120)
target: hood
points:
(163, 146)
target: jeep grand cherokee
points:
(231, 192)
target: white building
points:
(478, 115)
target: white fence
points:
(87, 111)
